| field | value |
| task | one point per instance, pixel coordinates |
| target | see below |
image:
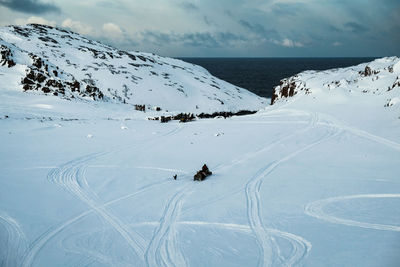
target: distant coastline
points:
(260, 75)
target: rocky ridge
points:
(65, 64)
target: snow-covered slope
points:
(379, 77)
(59, 62)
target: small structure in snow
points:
(202, 174)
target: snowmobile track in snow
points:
(78, 167)
(164, 238)
(16, 241)
(315, 209)
(41, 241)
(71, 176)
(300, 247)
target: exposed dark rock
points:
(181, 117)
(74, 86)
(395, 84)
(140, 107)
(26, 87)
(225, 114)
(94, 92)
(38, 75)
(164, 119)
(26, 80)
(368, 72)
(21, 31)
(6, 57)
(287, 88)
(187, 117)
(184, 117)
(48, 39)
(142, 58)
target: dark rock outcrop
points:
(288, 88)
(140, 107)
(187, 117)
(368, 72)
(6, 57)
(38, 77)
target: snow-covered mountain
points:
(380, 77)
(57, 62)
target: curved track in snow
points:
(162, 249)
(253, 154)
(41, 241)
(300, 247)
(71, 176)
(315, 209)
(16, 242)
(253, 186)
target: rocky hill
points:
(54, 61)
(380, 77)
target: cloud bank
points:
(264, 28)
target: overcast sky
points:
(224, 28)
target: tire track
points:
(162, 249)
(16, 242)
(42, 240)
(71, 177)
(371, 137)
(90, 255)
(264, 240)
(55, 175)
(300, 246)
(250, 155)
(315, 209)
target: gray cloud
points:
(332, 28)
(259, 29)
(208, 21)
(232, 27)
(285, 9)
(30, 6)
(256, 28)
(196, 39)
(189, 6)
(157, 38)
(355, 27)
(116, 5)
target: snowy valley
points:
(87, 180)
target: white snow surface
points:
(133, 78)
(312, 180)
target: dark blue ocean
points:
(260, 75)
